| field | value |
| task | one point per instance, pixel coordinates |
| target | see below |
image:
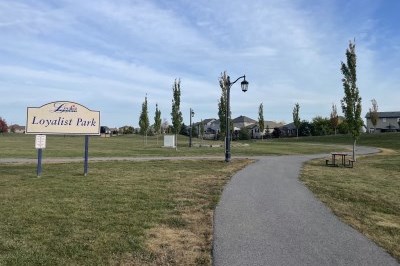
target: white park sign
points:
(61, 117)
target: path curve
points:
(266, 216)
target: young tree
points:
(3, 126)
(222, 104)
(201, 133)
(334, 118)
(277, 133)
(157, 122)
(144, 121)
(244, 134)
(176, 112)
(351, 102)
(261, 119)
(296, 118)
(373, 113)
(306, 128)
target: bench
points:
(330, 164)
(351, 162)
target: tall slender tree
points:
(201, 133)
(157, 122)
(296, 118)
(261, 119)
(144, 120)
(334, 118)
(222, 104)
(351, 102)
(373, 113)
(176, 112)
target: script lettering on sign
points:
(66, 118)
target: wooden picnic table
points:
(342, 155)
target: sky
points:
(108, 55)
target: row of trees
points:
(176, 114)
(351, 107)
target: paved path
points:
(103, 159)
(267, 217)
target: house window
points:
(384, 120)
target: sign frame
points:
(64, 115)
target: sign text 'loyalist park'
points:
(61, 117)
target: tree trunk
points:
(176, 142)
(354, 150)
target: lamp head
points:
(244, 84)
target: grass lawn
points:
(141, 213)
(366, 197)
(22, 146)
(160, 212)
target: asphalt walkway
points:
(266, 216)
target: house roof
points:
(206, 121)
(289, 126)
(272, 124)
(269, 124)
(17, 127)
(385, 115)
(243, 119)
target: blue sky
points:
(107, 55)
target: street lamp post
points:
(228, 84)
(190, 127)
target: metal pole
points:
(39, 164)
(86, 155)
(228, 135)
(190, 128)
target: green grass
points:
(64, 218)
(382, 140)
(158, 212)
(367, 196)
(22, 146)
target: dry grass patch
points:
(387, 152)
(122, 213)
(185, 238)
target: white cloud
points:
(110, 54)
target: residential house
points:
(207, 122)
(211, 127)
(126, 130)
(242, 121)
(16, 129)
(269, 126)
(387, 122)
(114, 131)
(105, 131)
(289, 130)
